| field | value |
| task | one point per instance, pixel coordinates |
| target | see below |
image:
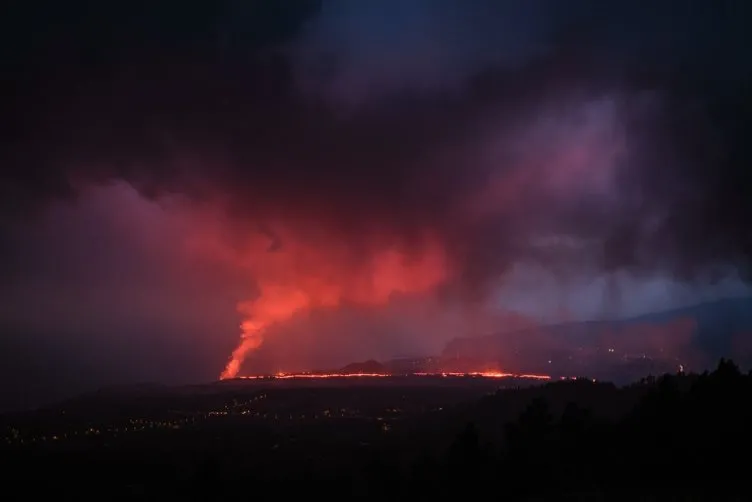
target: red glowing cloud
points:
(294, 270)
(279, 166)
(296, 276)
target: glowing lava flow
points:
(298, 277)
(487, 374)
(478, 374)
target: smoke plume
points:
(360, 150)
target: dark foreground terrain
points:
(677, 437)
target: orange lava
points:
(479, 374)
(297, 274)
(488, 374)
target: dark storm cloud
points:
(372, 115)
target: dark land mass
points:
(675, 437)
(368, 367)
(720, 328)
(622, 351)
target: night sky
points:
(356, 179)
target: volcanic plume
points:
(346, 155)
(294, 276)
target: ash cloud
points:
(580, 138)
(375, 115)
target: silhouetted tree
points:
(465, 462)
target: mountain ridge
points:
(716, 321)
(700, 333)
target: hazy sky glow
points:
(359, 179)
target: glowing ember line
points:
(487, 374)
(476, 374)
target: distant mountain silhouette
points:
(370, 367)
(716, 328)
(718, 322)
(700, 333)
